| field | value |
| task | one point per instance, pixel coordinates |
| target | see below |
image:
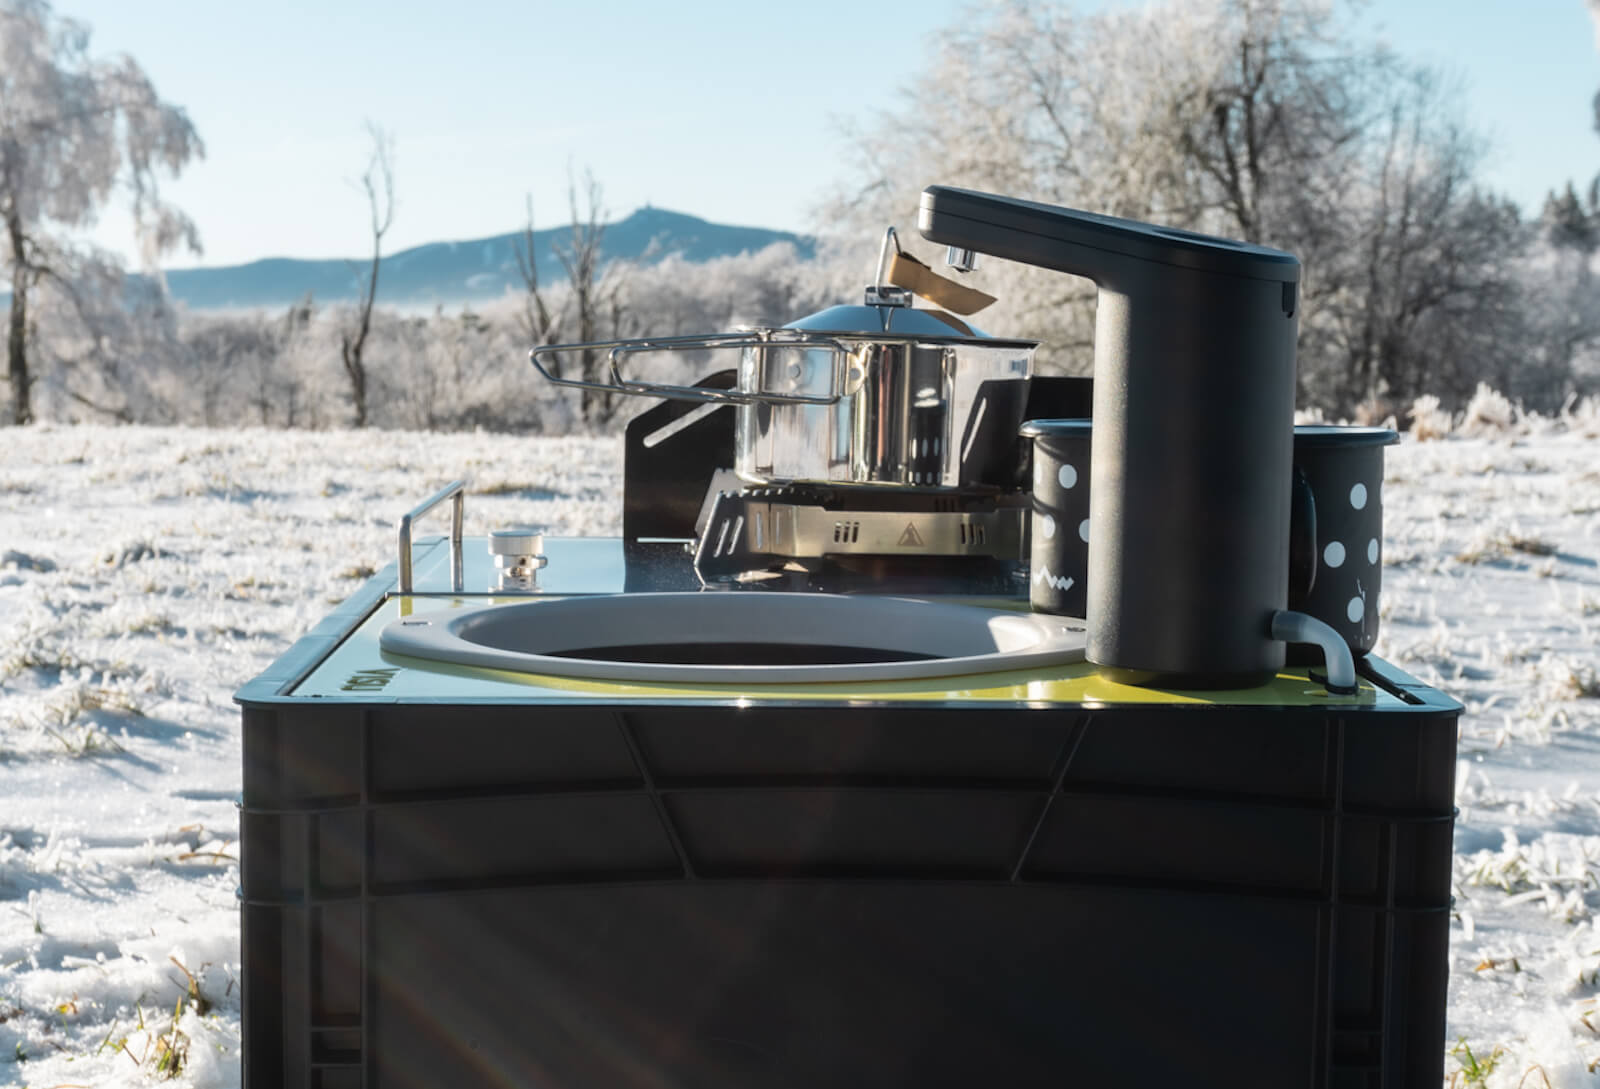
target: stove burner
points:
(872, 532)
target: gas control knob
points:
(518, 554)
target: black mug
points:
(1343, 467)
(1336, 530)
(1059, 529)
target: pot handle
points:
(759, 339)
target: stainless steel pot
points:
(881, 393)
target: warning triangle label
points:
(910, 538)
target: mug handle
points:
(1302, 540)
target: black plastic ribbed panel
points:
(706, 896)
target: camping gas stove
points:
(820, 535)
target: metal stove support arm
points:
(456, 493)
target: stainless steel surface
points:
(518, 555)
(959, 259)
(745, 532)
(455, 492)
(910, 421)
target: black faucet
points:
(1193, 431)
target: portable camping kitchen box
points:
(462, 876)
(456, 873)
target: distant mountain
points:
(455, 272)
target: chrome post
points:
(456, 493)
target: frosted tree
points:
(1268, 120)
(74, 129)
(593, 305)
(1564, 299)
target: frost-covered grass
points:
(146, 573)
(1492, 593)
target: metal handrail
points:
(456, 492)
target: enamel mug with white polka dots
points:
(1344, 468)
(1059, 529)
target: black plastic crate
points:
(785, 895)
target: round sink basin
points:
(739, 638)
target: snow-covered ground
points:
(146, 573)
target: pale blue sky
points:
(725, 110)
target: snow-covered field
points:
(146, 573)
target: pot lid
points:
(899, 322)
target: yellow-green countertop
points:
(358, 670)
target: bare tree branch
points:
(538, 323)
(377, 182)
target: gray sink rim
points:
(528, 636)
